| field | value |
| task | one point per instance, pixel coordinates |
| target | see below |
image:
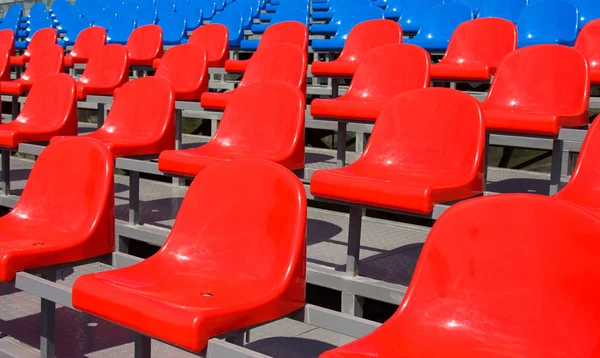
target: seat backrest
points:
(234, 22)
(7, 39)
(38, 9)
(352, 17)
(413, 11)
(214, 38)
(41, 38)
(528, 80)
(474, 5)
(389, 70)
(368, 35)
(44, 61)
(549, 20)
(51, 104)
(348, 4)
(208, 8)
(588, 10)
(173, 27)
(146, 16)
(37, 26)
(120, 29)
(193, 16)
(244, 7)
(254, 123)
(76, 27)
(186, 68)
(107, 67)
(440, 21)
(432, 131)
(290, 14)
(73, 194)
(88, 42)
(463, 291)
(481, 42)
(219, 5)
(272, 246)
(292, 32)
(587, 43)
(164, 8)
(504, 9)
(105, 19)
(280, 62)
(145, 42)
(583, 188)
(146, 102)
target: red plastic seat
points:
(426, 148)
(263, 120)
(185, 67)
(500, 276)
(106, 70)
(4, 63)
(44, 61)
(362, 38)
(583, 189)
(50, 110)
(383, 73)
(7, 38)
(219, 278)
(40, 38)
(214, 38)
(66, 211)
(280, 62)
(476, 49)
(145, 44)
(588, 45)
(88, 42)
(141, 120)
(284, 32)
(532, 94)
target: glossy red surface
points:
(587, 44)
(291, 32)
(66, 211)
(383, 73)
(50, 110)
(280, 62)
(476, 49)
(185, 67)
(253, 126)
(583, 188)
(214, 38)
(426, 148)
(219, 278)
(4, 63)
(144, 45)
(88, 42)
(41, 38)
(464, 300)
(362, 38)
(530, 95)
(147, 103)
(106, 70)
(7, 38)
(44, 61)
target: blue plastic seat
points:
(119, 30)
(193, 16)
(14, 12)
(282, 15)
(180, 5)
(588, 10)
(127, 8)
(474, 5)
(146, 16)
(244, 7)
(37, 10)
(36, 23)
(235, 25)
(208, 8)
(105, 18)
(438, 25)
(347, 21)
(394, 9)
(73, 32)
(144, 3)
(548, 22)
(413, 13)
(219, 5)
(285, 4)
(174, 28)
(164, 8)
(322, 6)
(336, 6)
(504, 9)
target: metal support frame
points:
(134, 197)
(15, 108)
(5, 172)
(178, 140)
(101, 114)
(352, 304)
(557, 165)
(341, 143)
(142, 346)
(48, 320)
